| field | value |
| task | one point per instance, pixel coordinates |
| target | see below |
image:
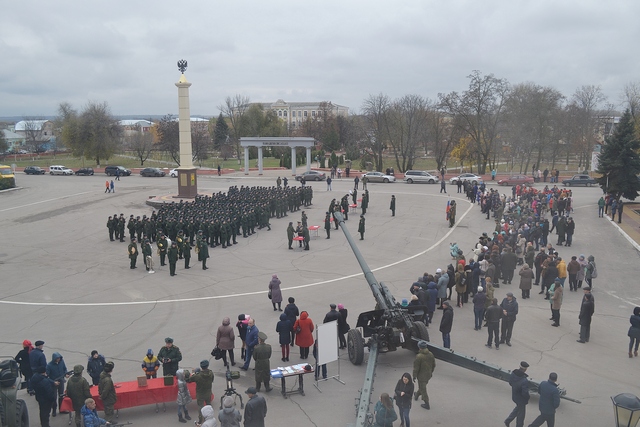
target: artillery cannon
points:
(13, 411)
(391, 326)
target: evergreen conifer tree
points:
(619, 162)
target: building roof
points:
(9, 136)
(135, 122)
(282, 103)
(33, 124)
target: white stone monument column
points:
(308, 159)
(246, 160)
(187, 176)
(259, 160)
(293, 161)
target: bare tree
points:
(169, 137)
(631, 99)
(35, 139)
(406, 129)
(532, 120)
(480, 110)
(200, 141)
(141, 143)
(375, 110)
(586, 101)
(234, 108)
(443, 134)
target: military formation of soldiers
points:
(208, 222)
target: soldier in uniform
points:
(364, 204)
(392, 206)
(423, 367)
(146, 252)
(203, 378)
(180, 240)
(307, 237)
(327, 225)
(290, 232)
(173, 258)
(262, 354)
(361, 227)
(162, 247)
(170, 356)
(203, 252)
(300, 233)
(110, 227)
(131, 226)
(186, 253)
(107, 391)
(133, 252)
(121, 225)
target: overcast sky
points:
(125, 52)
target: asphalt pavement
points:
(64, 282)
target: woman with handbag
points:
(225, 341)
(275, 295)
(403, 394)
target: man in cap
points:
(172, 254)
(37, 357)
(519, 394)
(255, 410)
(262, 354)
(509, 307)
(549, 401)
(95, 366)
(132, 250)
(107, 391)
(361, 227)
(556, 302)
(203, 378)
(290, 233)
(78, 391)
(170, 356)
(332, 315)
(45, 391)
(423, 367)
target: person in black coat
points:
(45, 390)
(446, 323)
(519, 394)
(95, 366)
(586, 312)
(37, 357)
(25, 364)
(292, 312)
(343, 326)
(283, 328)
(403, 394)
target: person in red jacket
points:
(303, 329)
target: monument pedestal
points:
(187, 183)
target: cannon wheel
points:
(418, 330)
(22, 415)
(355, 346)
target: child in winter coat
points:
(184, 397)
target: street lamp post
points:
(626, 408)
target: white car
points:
(378, 177)
(173, 173)
(60, 170)
(420, 176)
(471, 177)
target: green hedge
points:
(7, 183)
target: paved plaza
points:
(64, 282)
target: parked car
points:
(34, 170)
(151, 172)
(312, 176)
(173, 173)
(84, 171)
(111, 170)
(517, 179)
(420, 176)
(585, 180)
(471, 177)
(60, 170)
(378, 177)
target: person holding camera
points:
(203, 378)
(170, 356)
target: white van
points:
(60, 170)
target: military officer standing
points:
(162, 247)
(262, 354)
(361, 227)
(290, 232)
(393, 205)
(203, 252)
(170, 356)
(186, 253)
(173, 258)
(306, 237)
(147, 252)
(133, 253)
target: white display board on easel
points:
(327, 350)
